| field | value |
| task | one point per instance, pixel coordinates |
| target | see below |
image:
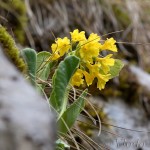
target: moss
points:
(17, 17)
(19, 7)
(11, 50)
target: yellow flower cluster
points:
(88, 50)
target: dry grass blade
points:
(88, 139)
(99, 120)
(114, 134)
(109, 124)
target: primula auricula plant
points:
(81, 62)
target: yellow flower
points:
(88, 78)
(94, 38)
(94, 73)
(89, 48)
(106, 62)
(102, 79)
(109, 44)
(77, 36)
(93, 68)
(60, 47)
(77, 78)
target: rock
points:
(142, 77)
(26, 121)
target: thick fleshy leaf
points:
(61, 79)
(30, 57)
(70, 115)
(43, 65)
(114, 70)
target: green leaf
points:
(43, 65)
(61, 79)
(30, 57)
(114, 70)
(61, 145)
(70, 115)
